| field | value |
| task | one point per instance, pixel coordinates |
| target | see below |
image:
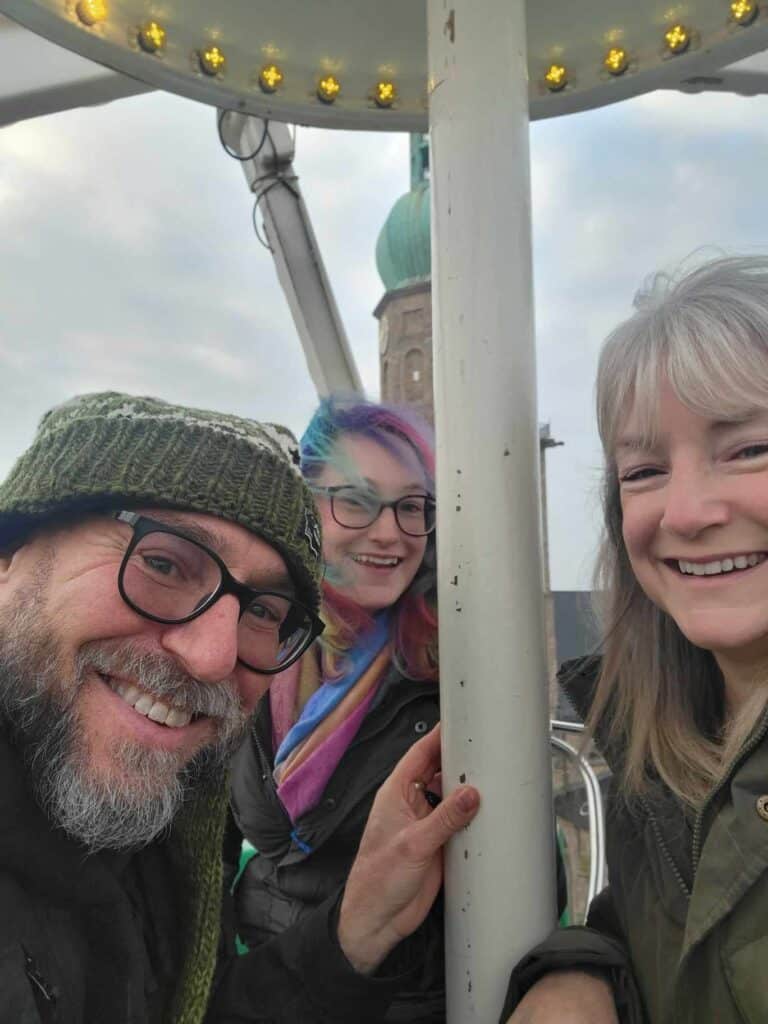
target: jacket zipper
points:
(264, 765)
(665, 850)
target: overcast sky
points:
(128, 259)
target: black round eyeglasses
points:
(355, 508)
(168, 577)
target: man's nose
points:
(207, 646)
(693, 503)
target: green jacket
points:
(683, 927)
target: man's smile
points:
(155, 721)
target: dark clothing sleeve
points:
(596, 949)
(301, 976)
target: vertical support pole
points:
(499, 882)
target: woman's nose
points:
(384, 528)
(693, 504)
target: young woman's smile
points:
(374, 565)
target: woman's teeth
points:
(715, 568)
(381, 561)
(147, 705)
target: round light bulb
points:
(744, 12)
(270, 78)
(556, 77)
(677, 38)
(616, 61)
(90, 12)
(212, 60)
(152, 37)
(385, 94)
(328, 88)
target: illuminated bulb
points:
(90, 12)
(151, 37)
(744, 11)
(556, 77)
(677, 39)
(616, 61)
(385, 94)
(212, 60)
(270, 78)
(328, 88)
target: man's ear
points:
(7, 563)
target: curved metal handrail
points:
(562, 726)
(596, 813)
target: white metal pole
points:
(500, 892)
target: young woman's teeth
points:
(721, 566)
(379, 560)
(148, 705)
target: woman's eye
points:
(413, 507)
(633, 476)
(356, 502)
(752, 451)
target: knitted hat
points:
(113, 450)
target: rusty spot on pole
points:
(450, 26)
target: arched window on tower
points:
(413, 375)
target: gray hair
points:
(706, 332)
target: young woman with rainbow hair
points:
(333, 727)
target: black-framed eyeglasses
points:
(168, 577)
(356, 508)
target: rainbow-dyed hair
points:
(407, 436)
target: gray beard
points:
(146, 787)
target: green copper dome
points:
(403, 246)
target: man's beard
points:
(138, 798)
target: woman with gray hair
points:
(678, 700)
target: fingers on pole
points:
(453, 814)
(421, 762)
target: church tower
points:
(403, 259)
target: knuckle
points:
(406, 846)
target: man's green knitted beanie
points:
(112, 450)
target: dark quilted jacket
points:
(296, 869)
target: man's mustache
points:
(163, 677)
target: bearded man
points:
(158, 566)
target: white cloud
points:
(130, 261)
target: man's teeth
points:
(149, 706)
(721, 566)
(389, 561)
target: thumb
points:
(453, 814)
